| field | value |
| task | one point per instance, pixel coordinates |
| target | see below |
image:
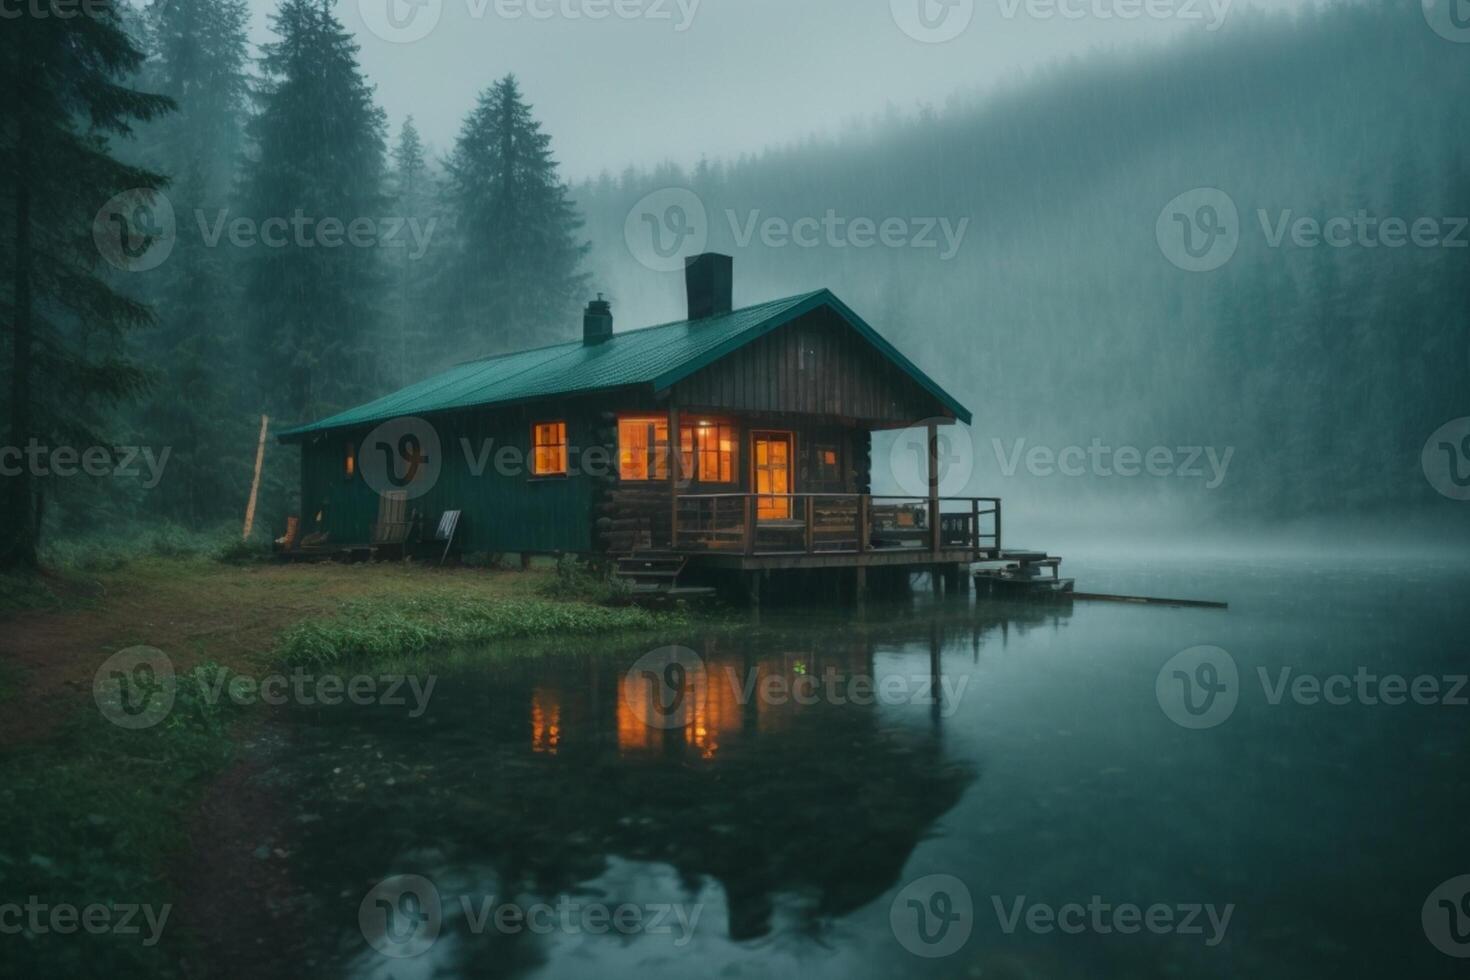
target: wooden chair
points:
(448, 524)
(286, 543)
(391, 530)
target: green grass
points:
(118, 549)
(91, 816)
(25, 592)
(412, 625)
(8, 682)
(94, 813)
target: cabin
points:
(740, 439)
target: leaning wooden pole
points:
(255, 481)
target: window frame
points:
(693, 457)
(656, 461)
(820, 473)
(564, 445)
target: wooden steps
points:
(655, 577)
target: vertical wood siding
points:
(816, 365)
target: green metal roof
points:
(658, 356)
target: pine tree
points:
(404, 334)
(199, 58)
(316, 163)
(513, 273)
(65, 98)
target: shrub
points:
(414, 625)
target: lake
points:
(947, 787)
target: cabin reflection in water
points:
(534, 776)
(739, 786)
(724, 698)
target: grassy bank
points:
(96, 813)
(92, 814)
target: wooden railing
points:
(833, 523)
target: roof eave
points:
(823, 297)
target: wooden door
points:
(771, 455)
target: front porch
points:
(832, 530)
(831, 538)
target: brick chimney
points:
(708, 280)
(597, 321)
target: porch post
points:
(933, 431)
(676, 457)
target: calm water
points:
(801, 830)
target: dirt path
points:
(195, 612)
(240, 900)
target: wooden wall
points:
(817, 365)
(507, 511)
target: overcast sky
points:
(655, 80)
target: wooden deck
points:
(752, 531)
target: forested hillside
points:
(1060, 320)
(305, 254)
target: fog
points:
(674, 80)
(1192, 266)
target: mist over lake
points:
(546, 488)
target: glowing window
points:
(549, 449)
(349, 462)
(828, 471)
(643, 449)
(708, 449)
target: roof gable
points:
(659, 356)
